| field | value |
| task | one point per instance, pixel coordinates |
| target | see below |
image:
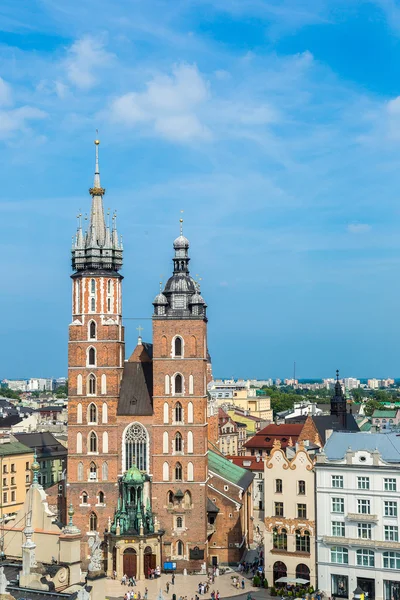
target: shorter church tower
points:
(339, 404)
(180, 440)
(95, 364)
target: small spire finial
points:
(160, 287)
(181, 223)
(337, 374)
(139, 329)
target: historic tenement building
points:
(138, 464)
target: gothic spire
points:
(338, 403)
(98, 248)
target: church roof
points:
(135, 398)
(218, 464)
(326, 422)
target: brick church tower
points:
(179, 466)
(95, 359)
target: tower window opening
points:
(101, 497)
(92, 385)
(178, 412)
(178, 346)
(92, 357)
(109, 286)
(178, 472)
(178, 443)
(109, 304)
(93, 304)
(179, 548)
(93, 522)
(178, 384)
(84, 498)
(92, 442)
(179, 522)
(92, 413)
(92, 286)
(92, 330)
(93, 471)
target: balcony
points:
(362, 518)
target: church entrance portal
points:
(130, 562)
(149, 561)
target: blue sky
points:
(274, 125)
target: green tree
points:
(372, 405)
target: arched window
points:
(166, 387)
(165, 471)
(170, 497)
(92, 413)
(101, 497)
(179, 548)
(178, 413)
(190, 412)
(105, 442)
(178, 472)
(187, 499)
(79, 413)
(279, 539)
(190, 442)
(79, 385)
(92, 304)
(165, 442)
(178, 442)
(279, 570)
(93, 522)
(166, 411)
(302, 572)
(136, 447)
(365, 558)
(190, 474)
(178, 384)
(79, 443)
(179, 522)
(92, 357)
(104, 384)
(92, 442)
(109, 286)
(104, 413)
(84, 498)
(80, 471)
(92, 286)
(104, 471)
(191, 384)
(92, 385)
(163, 346)
(108, 304)
(302, 541)
(93, 471)
(178, 347)
(92, 330)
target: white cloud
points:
(5, 93)
(86, 58)
(358, 228)
(170, 104)
(17, 119)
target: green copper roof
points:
(134, 475)
(10, 448)
(226, 469)
(386, 414)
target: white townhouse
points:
(358, 510)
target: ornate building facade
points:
(144, 418)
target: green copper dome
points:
(133, 475)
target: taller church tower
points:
(180, 441)
(95, 365)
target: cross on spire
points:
(140, 329)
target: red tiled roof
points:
(247, 462)
(265, 438)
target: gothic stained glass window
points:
(136, 447)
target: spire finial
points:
(337, 374)
(139, 329)
(97, 190)
(181, 223)
(160, 286)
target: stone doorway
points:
(150, 561)
(130, 562)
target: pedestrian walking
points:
(242, 583)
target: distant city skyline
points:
(276, 131)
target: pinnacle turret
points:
(98, 248)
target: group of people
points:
(133, 595)
(131, 581)
(237, 583)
